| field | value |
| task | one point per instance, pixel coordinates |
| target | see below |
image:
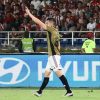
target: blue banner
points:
(28, 70)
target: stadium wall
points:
(26, 70)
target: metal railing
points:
(7, 37)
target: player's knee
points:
(59, 73)
(47, 73)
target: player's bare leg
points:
(64, 82)
(44, 83)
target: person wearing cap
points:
(89, 44)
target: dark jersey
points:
(53, 40)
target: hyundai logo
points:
(18, 69)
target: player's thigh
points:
(59, 73)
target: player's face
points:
(49, 23)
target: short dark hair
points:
(26, 34)
(90, 35)
(52, 20)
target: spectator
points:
(57, 18)
(89, 45)
(17, 21)
(70, 22)
(9, 19)
(46, 15)
(95, 2)
(26, 25)
(16, 9)
(79, 9)
(12, 13)
(98, 28)
(2, 8)
(1, 27)
(26, 45)
(31, 7)
(45, 2)
(96, 17)
(72, 9)
(41, 13)
(97, 35)
(13, 35)
(87, 12)
(1, 34)
(91, 25)
(7, 7)
(36, 3)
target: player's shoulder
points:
(49, 28)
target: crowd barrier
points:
(6, 37)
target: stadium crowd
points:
(70, 15)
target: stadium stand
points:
(70, 15)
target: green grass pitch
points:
(49, 94)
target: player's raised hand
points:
(27, 10)
(36, 20)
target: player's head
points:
(50, 22)
(90, 35)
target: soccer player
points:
(53, 64)
(89, 45)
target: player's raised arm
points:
(36, 20)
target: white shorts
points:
(54, 63)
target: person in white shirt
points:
(45, 1)
(91, 25)
(36, 3)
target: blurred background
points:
(74, 18)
